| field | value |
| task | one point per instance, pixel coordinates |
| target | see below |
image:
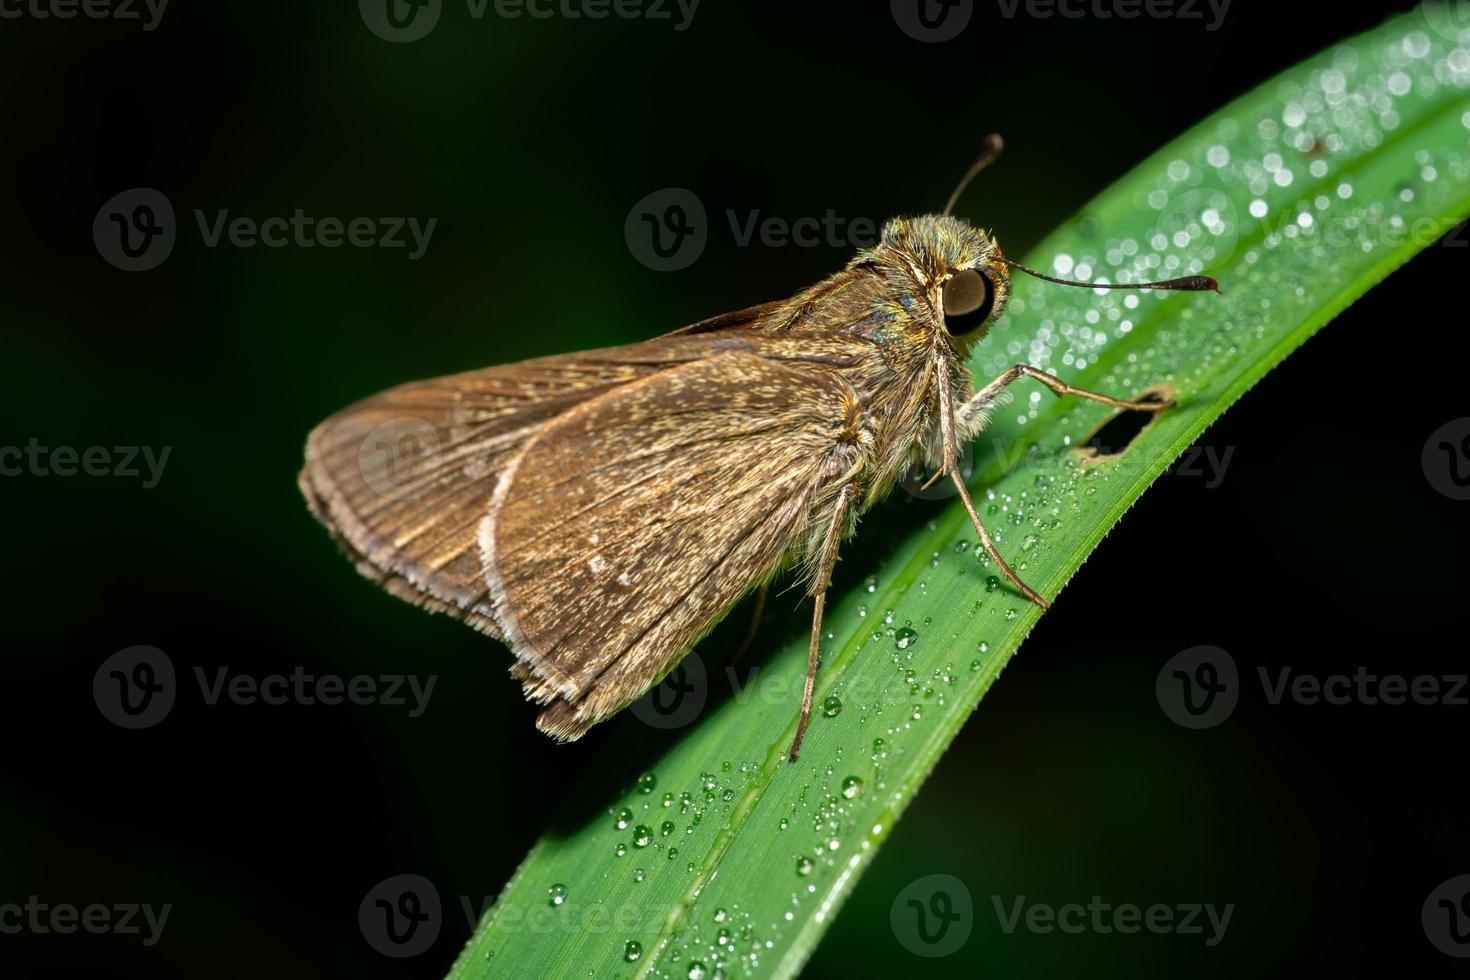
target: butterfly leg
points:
(818, 590)
(950, 464)
(758, 607)
(985, 396)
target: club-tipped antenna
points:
(989, 150)
(1188, 283)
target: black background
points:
(1324, 547)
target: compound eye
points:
(968, 300)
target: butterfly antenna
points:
(1190, 283)
(989, 150)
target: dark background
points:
(1324, 547)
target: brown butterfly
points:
(601, 511)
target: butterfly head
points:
(951, 276)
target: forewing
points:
(628, 526)
(402, 479)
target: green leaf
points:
(1298, 198)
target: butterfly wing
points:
(625, 528)
(402, 479)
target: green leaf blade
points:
(1298, 197)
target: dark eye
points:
(968, 300)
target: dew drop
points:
(804, 866)
(832, 707)
(632, 950)
(905, 637)
(622, 818)
(851, 787)
(642, 836)
(558, 894)
(647, 782)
